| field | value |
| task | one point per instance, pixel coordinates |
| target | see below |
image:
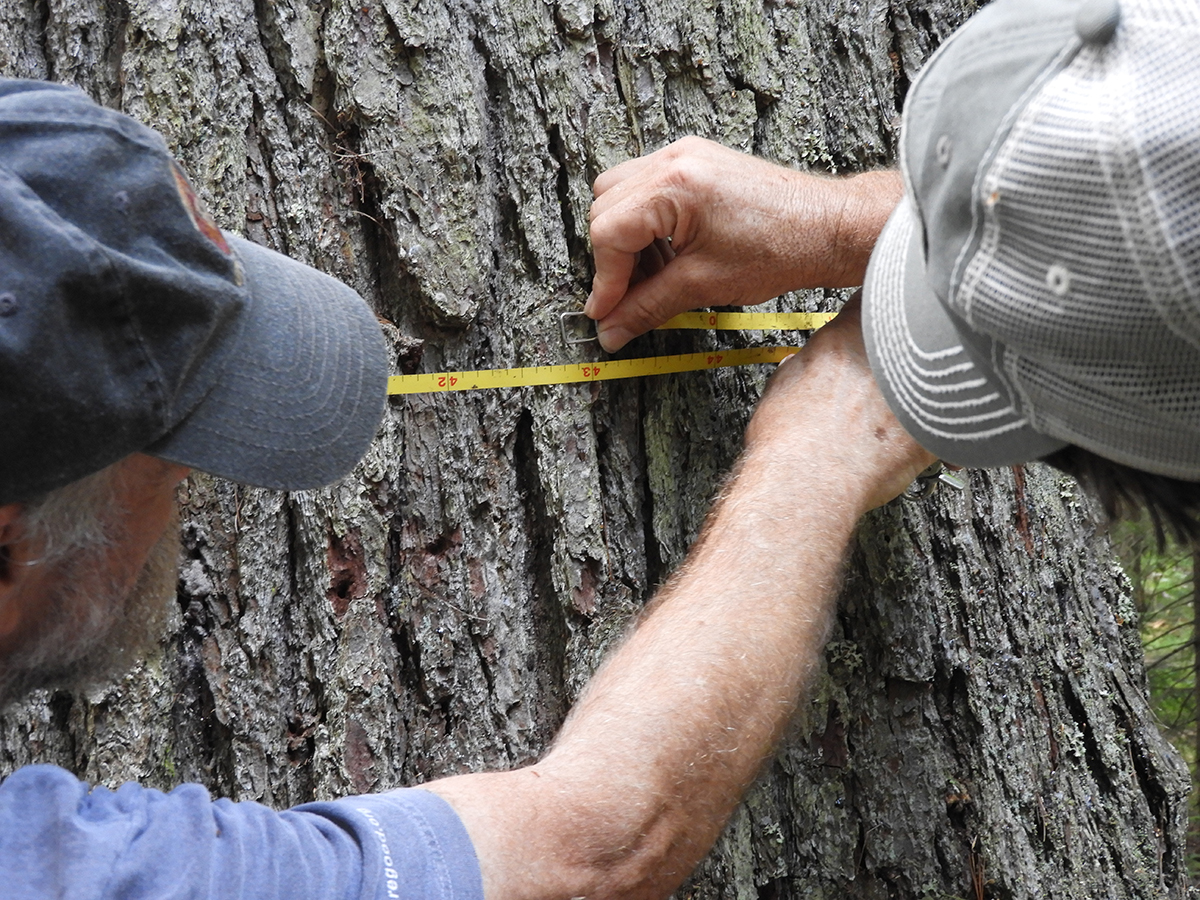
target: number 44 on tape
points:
(625, 368)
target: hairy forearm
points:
(678, 721)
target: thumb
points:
(649, 303)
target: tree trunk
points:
(982, 730)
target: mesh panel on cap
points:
(1158, 187)
(1169, 14)
(1089, 253)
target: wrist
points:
(824, 419)
(806, 487)
(827, 227)
(867, 201)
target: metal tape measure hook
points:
(566, 336)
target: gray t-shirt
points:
(61, 838)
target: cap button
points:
(1058, 279)
(943, 150)
(1096, 20)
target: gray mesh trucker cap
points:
(1040, 283)
(129, 322)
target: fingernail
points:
(612, 338)
(588, 306)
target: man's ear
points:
(14, 551)
(11, 532)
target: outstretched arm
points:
(697, 224)
(677, 723)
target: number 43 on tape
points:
(608, 370)
(577, 372)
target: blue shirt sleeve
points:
(60, 838)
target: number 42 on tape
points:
(607, 370)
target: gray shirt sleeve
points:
(60, 838)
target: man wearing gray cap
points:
(138, 341)
(1035, 294)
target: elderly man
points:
(138, 341)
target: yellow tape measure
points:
(607, 370)
(750, 321)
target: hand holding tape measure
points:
(698, 224)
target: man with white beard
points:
(137, 341)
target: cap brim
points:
(304, 388)
(949, 399)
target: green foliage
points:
(1163, 579)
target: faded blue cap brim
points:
(303, 390)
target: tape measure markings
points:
(607, 370)
(743, 321)
(573, 373)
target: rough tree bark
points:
(982, 730)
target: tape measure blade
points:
(776, 321)
(415, 384)
(604, 370)
(748, 321)
(689, 320)
(749, 355)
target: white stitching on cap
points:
(887, 281)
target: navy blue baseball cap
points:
(130, 323)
